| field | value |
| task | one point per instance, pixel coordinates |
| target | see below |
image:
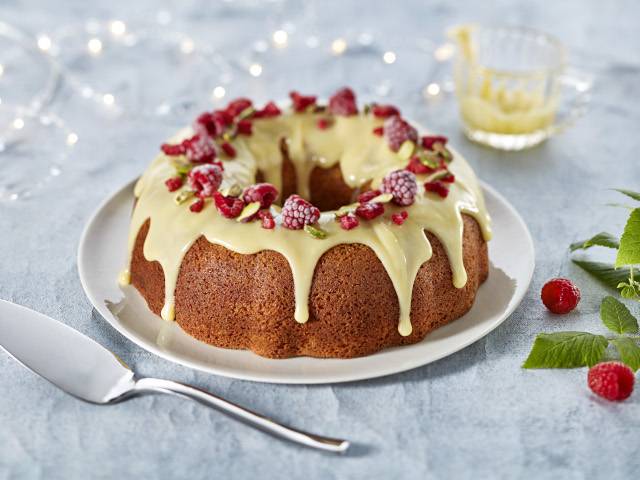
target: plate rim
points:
(233, 373)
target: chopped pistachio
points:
(344, 210)
(430, 159)
(183, 196)
(227, 137)
(246, 113)
(248, 211)
(181, 164)
(382, 198)
(367, 109)
(315, 232)
(406, 150)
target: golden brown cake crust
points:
(238, 301)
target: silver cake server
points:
(88, 371)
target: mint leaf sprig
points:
(583, 349)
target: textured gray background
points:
(476, 414)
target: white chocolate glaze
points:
(362, 157)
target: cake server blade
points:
(85, 369)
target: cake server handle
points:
(253, 419)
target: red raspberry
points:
(428, 141)
(173, 183)
(343, 102)
(399, 218)
(437, 187)
(269, 110)
(237, 106)
(560, 295)
(448, 178)
(368, 196)
(297, 212)
(370, 210)
(417, 167)
(402, 185)
(378, 131)
(397, 131)
(384, 111)
(228, 149)
(221, 119)
(349, 221)
(265, 193)
(324, 123)
(302, 102)
(267, 219)
(245, 127)
(611, 380)
(198, 149)
(197, 206)
(229, 207)
(205, 125)
(205, 179)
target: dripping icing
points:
(362, 157)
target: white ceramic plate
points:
(101, 255)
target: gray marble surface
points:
(475, 414)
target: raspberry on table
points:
(301, 102)
(349, 221)
(205, 179)
(611, 380)
(229, 207)
(560, 295)
(343, 102)
(265, 193)
(384, 111)
(297, 212)
(402, 185)
(397, 131)
(173, 183)
(370, 210)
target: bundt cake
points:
(313, 230)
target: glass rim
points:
(532, 32)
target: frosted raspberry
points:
(245, 127)
(205, 179)
(228, 149)
(324, 123)
(370, 210)
(297, 212)
(206, 125)
(198, 149)
(173, 183)
(229, 207)
(417, 167)
(368, 195)
(378, 131)
(611, 380)
(269, 110)
(221, 119)
(384, 111)
(560, 295)
(267, 219)
(402, 185)
(349, 221)
(429, 141)
(437, 187)
(399, 218)
(397, 131)
(265, 193)
(343, 102)
(301, 102)
(197, 206)
(237, 106)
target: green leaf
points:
(605, 272)
(629, 193)
(629, 251)
(566, 350)
(629, 351)
(617, 317)
(602, 239)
